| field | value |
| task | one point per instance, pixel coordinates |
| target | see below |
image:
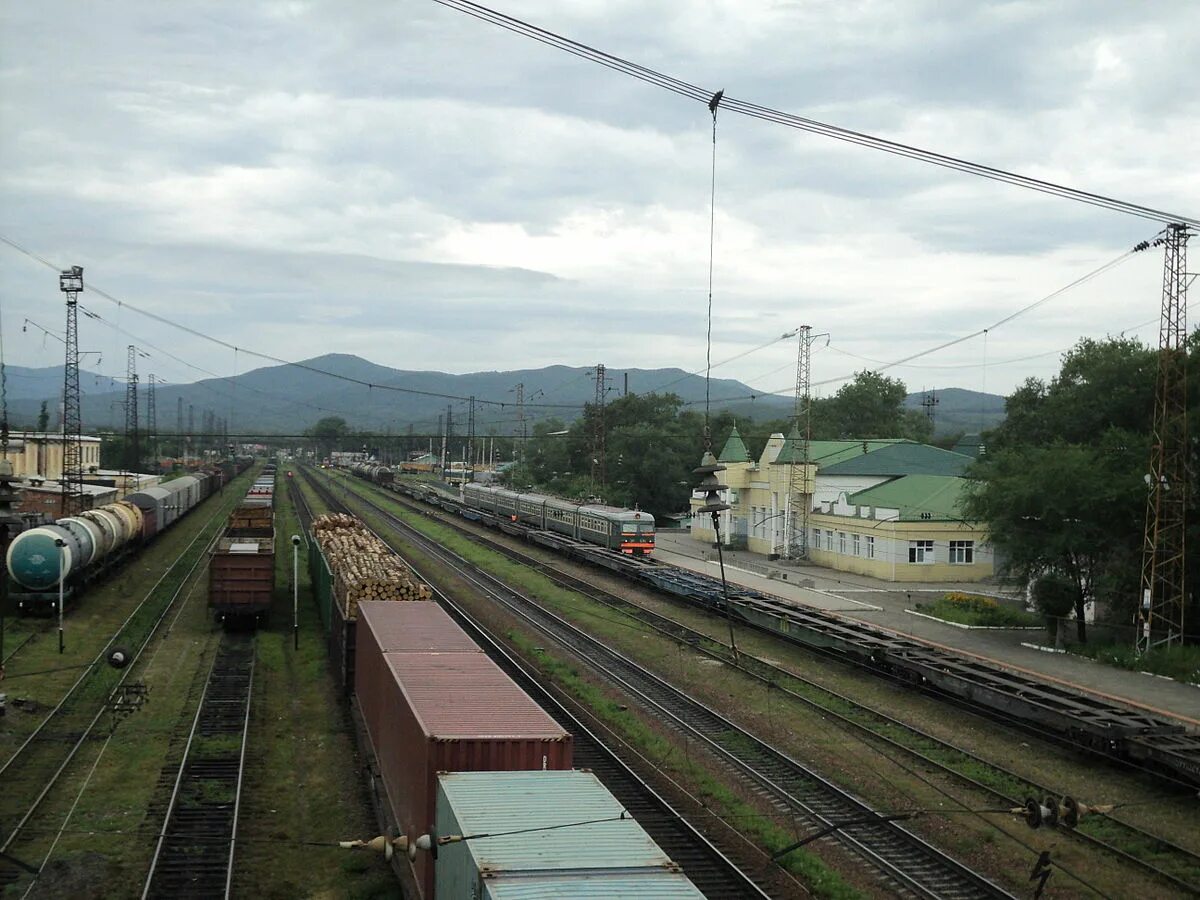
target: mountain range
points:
(286, 399)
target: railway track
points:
(905, 863)
(36, 767)
(714, 874)
(194, 855)
(1152, 854)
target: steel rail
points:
(78, 688)
(718, 877)
(909, 861)
(681, 633)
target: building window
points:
(920, 552)
(841, 542)
(816, 539)
(962, 552)
(829, 539)
(857, 545)
(870, 546)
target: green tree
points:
(43, 419)
(1062, 482)
(870, 406)
(1065, 510)
(328, 434)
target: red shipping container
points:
(447, 712)
(389, 626)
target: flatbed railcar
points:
(1110, 729)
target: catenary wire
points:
(757, 111)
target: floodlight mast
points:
(70, 282)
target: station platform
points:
(888, 605)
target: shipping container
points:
(389, 627)
(588, 840)
(241, 576)
(448, 712)
(605, 886)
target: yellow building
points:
(885, 508)
(39, 454)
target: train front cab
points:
(635, 534)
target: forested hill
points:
(959, 410)
(288, 399)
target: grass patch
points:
(1180, 663)
(972, 609)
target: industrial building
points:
(890, 509)
(39, 454)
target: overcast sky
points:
(403, 182)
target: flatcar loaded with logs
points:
(350, 565)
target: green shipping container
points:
(590, 848)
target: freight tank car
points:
(74, 551)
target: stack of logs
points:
(363, 567)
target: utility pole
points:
(799, 489)
(599, 473)
(152, 422)
(446, 435)
(132, 450)
(179, 425)
(70, 282)
(191, 432)
(1164, 589)
(928, 402)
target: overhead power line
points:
(122, 304)
(1083, 279)
(803, 123)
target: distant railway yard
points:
(214, 727)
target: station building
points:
(889, 509)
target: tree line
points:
(1062, 485)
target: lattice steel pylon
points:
(799, 502)
(133, 455)
(151, 421)
(599, 466)
(520, 389)
(70, 282)
(1164, 589)
(469, 472)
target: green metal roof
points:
(826, 453)
(918, 497)
(735, 449)
(897, 458)
(970, 445)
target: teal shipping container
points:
(590, 846)
(608, 886)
